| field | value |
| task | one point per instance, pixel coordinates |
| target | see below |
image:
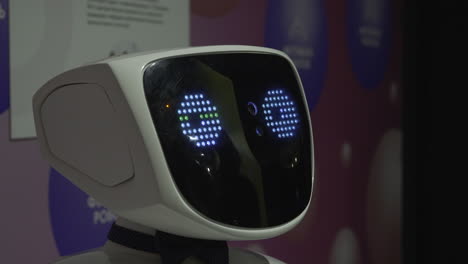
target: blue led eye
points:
(201, 118)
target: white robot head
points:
(207, 142)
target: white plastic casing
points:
(95, 128)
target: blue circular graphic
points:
(369, 37)
(78, 221)
(280, 113)
(4, 58)
(199, 120)
(298, 28)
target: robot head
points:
(208, 142)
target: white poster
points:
(48, 37)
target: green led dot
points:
(201, 116)
(211, 115)
(181, 118)
(216, 114)
(206, 115)
(186, 117)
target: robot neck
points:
(171, 248)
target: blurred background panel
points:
(349, 56)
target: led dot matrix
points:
(199, 120)
(280, 113)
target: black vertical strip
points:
(409, 233)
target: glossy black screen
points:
(235, 134)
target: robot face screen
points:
(235, 135)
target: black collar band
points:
(172, 249)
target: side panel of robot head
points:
(209, 142)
